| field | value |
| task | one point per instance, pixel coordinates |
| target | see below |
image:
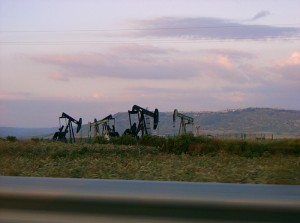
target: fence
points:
(247, 136)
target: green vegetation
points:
(11, 138)
(201, 145)
(183, 158)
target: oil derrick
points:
(108, 129)
(61, 135)
(184, 121)
(143, 125)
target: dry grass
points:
(47, 159)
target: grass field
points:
(200, 160)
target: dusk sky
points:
(92, 58)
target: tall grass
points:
(184, 158)
(201, 145)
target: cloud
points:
(208, 75)
(161, 67)
(260, 14)
(151, 63)
(230, 53)
(207, 28)
(130, 62)
(223, 79)
(294, 59)
(235, 96)
(220, 60)
(145, 50)
(230, 67)
(58, 77)
(289, 68)
(8, 95)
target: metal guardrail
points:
(30, 199)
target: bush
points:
(155, 141)
(285, 146)
(11, 138)
(36, 139)
(100, 140)
(125, 139)
(178, 144)
(203, 145)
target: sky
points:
(92, 58)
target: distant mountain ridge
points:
(26, 132)
(249, 120)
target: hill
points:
(280, 122)
(26, 132)
(252, 120)
(249, 120)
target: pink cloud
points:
(5, 95)
(148, 62)
(224, 62)
(229, 63)
(294, 59)
(68, 59)
(235, 55)
(58, 77)
(238, 97)
(128, 62)
(289, 69)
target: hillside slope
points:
(250, 120)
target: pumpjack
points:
(184, 121)
(61, 134)
(107, 130)
(143, 121)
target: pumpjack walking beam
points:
(142, 125)
(184, 120)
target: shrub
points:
(36, 139)
(285, 146)
(125, 139)
(234, 146)
(179, 144)
(155, 141)
(203, 145)
(100, 140)
(11, 138)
